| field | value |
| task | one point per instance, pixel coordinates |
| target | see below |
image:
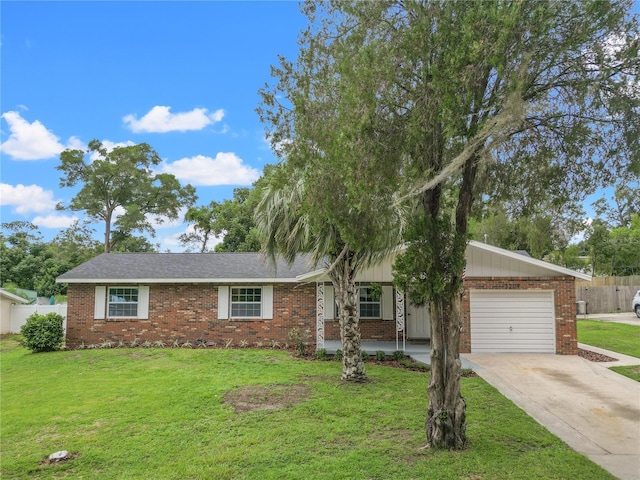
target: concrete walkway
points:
(593, 409)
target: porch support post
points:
(319, 315)
(400, 314)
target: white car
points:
(635, 303)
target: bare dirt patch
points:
(73, 357)
(145, 356)
(266, 397)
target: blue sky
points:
(181, 76)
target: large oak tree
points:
(119, 188)
(455, 102)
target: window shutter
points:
(223, 302)
(329, 302)
(100, 302)
(387, 302)
(267, 301)
(143, 302)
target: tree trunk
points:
(446, 415)
(107, 233)
(343, 278)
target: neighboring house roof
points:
(12, 297)
(184, 268)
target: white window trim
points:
(231, 302)
(378, 302)
(102, 302)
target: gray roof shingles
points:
(183, 266)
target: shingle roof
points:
(183, 267)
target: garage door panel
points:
(499, 311)
(502, 337)
(516, 348)
(512, 321)
(513, 333)
(507, 319)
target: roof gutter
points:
(176, 280)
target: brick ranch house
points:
(512, 302)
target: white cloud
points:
(172, 242)
(109, 146)
(32, 141)
(25, 199)
(161, 120)
(162, 221)
(54, 221)
(224, 169)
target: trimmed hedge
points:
(43, 333)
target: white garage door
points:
(520, 321)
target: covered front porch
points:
(418, 351)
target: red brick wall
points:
(369, 329)
(188, 312)
(564, 299)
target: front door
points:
(418, 321)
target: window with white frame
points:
(122, 302)
(246, 302)
(369, 306)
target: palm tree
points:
(291, 224)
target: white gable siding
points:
(488, 264)
(377, 273)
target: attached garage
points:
(518, 304)
(512, 321)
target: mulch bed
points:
(595, 357)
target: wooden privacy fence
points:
(608, 294)
(20, 313)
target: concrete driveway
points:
(594, 410)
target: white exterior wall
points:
(5, 315)
(20, 313)
(381, 273)
(488, 264)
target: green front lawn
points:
(187, 414)
(617, 337)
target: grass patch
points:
(632, 372)
(617, 337)
(183, 413)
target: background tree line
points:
(610, 243)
